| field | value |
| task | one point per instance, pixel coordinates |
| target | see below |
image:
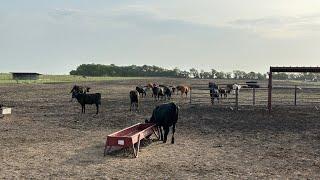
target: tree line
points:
(155, 71)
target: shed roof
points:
(25, 73)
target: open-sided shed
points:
(25, 75)
(289, 70)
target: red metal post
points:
(270, 91)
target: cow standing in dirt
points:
(165, 116)
(90, 99)
(214, 92)
(183, 89)
(142, 92)
(158, 92)
(134, 100)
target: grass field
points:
(51, 79)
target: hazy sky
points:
(54, 36)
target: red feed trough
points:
(129, 137)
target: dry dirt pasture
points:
(46, 137)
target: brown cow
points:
(150, 85)
(183, 89)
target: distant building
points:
(25, 76)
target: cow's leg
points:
(97, 105)
(161, 134)
(166, 132)
(137, 107)
(173, 131)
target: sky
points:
(55, 36)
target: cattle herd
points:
(217, 92)
(165, 115)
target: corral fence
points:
(251, 97)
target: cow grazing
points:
(157, 92)
(183, 89)
(134, 100)
(165, 116)
(84, 99)
(167, 91)
(141, 91)
(214, 92)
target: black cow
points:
(134, 100)
(84, 99)
(157, 92)
(165, 116)
(214, 92)
(141, 91)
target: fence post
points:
(237, 99)
(254, 96)
(295, 95)
(190, 102)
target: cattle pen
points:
(303, 95)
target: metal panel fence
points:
(258, 97)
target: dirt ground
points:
(46, 137)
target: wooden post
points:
(254, 96)
(237, 99)
(270, 91)
(295, 95)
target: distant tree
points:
(206, 75)
(228, 75)
(220, 75)
(213, 73)
(194, 73)
(280, 76)
(251, 75)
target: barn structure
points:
(25, 75)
